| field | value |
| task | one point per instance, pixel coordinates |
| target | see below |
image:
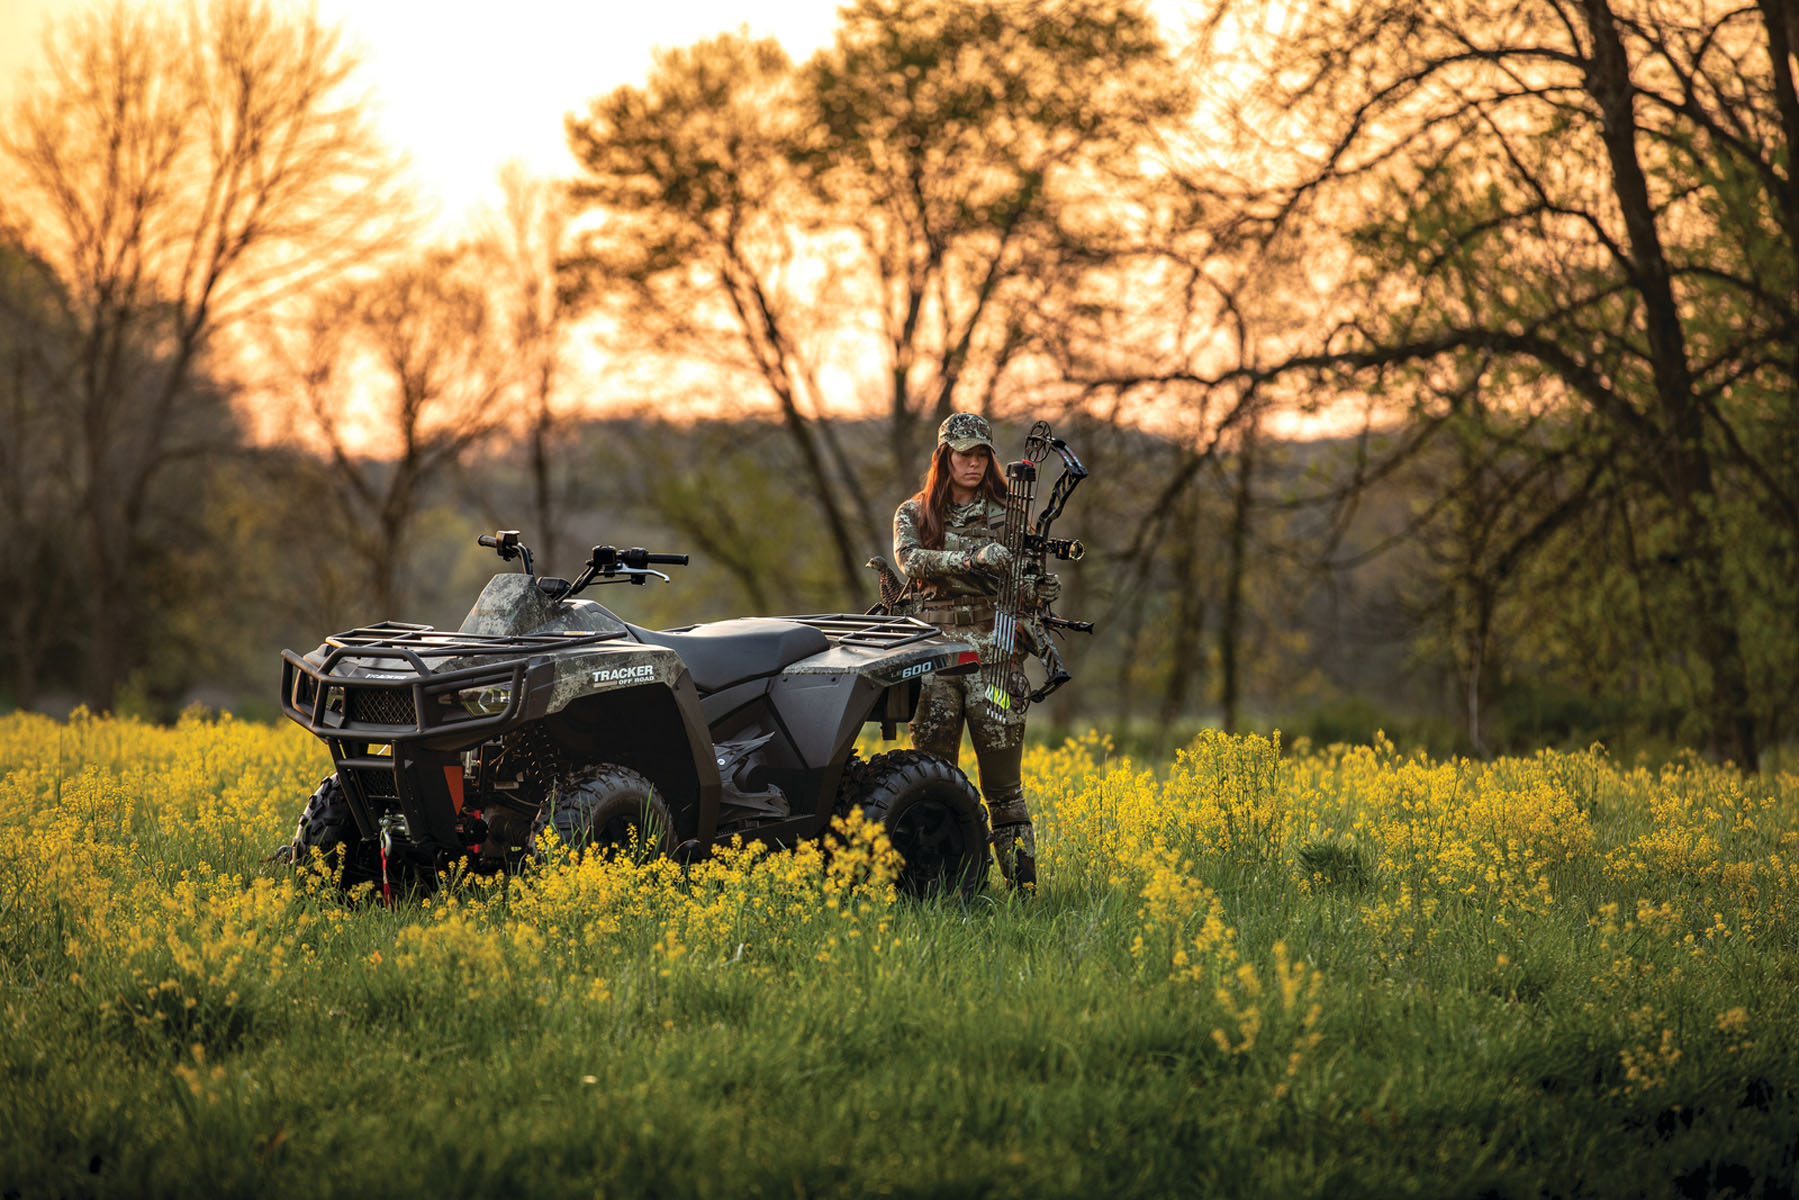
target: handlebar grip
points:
(488, 540)
(679, 560)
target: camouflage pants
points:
(948, 701)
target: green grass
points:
(1001, 1047)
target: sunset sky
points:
(462, 87)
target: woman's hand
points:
(1048, 589)
(993, 558)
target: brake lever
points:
(634, 575)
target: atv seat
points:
(726, 652)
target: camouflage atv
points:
(544, 711)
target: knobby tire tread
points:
(586, 792)
(886, 781)
(327, 823)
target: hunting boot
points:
(1016, 849)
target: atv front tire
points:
(609, 810)
(327, 826)
(933, 817)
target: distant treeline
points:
(1324, 622)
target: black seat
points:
(726, 652)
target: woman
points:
(946, 540)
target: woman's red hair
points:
(933, 497)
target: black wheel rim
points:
(931, 843)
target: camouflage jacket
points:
(948, 576)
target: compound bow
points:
(1030, 545)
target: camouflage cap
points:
(964, 431)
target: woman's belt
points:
(975, 612)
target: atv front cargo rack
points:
(400, 639)
(416, 698)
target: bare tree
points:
(526, 243)
(176, 175)
(398, 377)
(947, 187)
(991, 161)
(701, 241)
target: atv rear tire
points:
(933, 817)
(607, 809)
(325, 825)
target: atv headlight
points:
(487, 700)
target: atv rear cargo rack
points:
(874, 633)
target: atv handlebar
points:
(506, 542)
(607, 563)
(609, 560)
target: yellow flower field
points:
(1250, 920)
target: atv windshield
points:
(512, 605)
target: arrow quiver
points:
(1030, 545)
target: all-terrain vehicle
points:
(547, 711)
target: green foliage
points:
(56, 484)
(961, 114)
(991, 162)
(943, 183)
(35, 469)
(692, 157)
(1602, 292)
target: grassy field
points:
(1254, 970)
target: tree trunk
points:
(1681, 461)
(848, 561)
(543, 502)
(1189, 605)
(1479, 637)
(1781, 18)
(767, 342)
(1230, 626)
